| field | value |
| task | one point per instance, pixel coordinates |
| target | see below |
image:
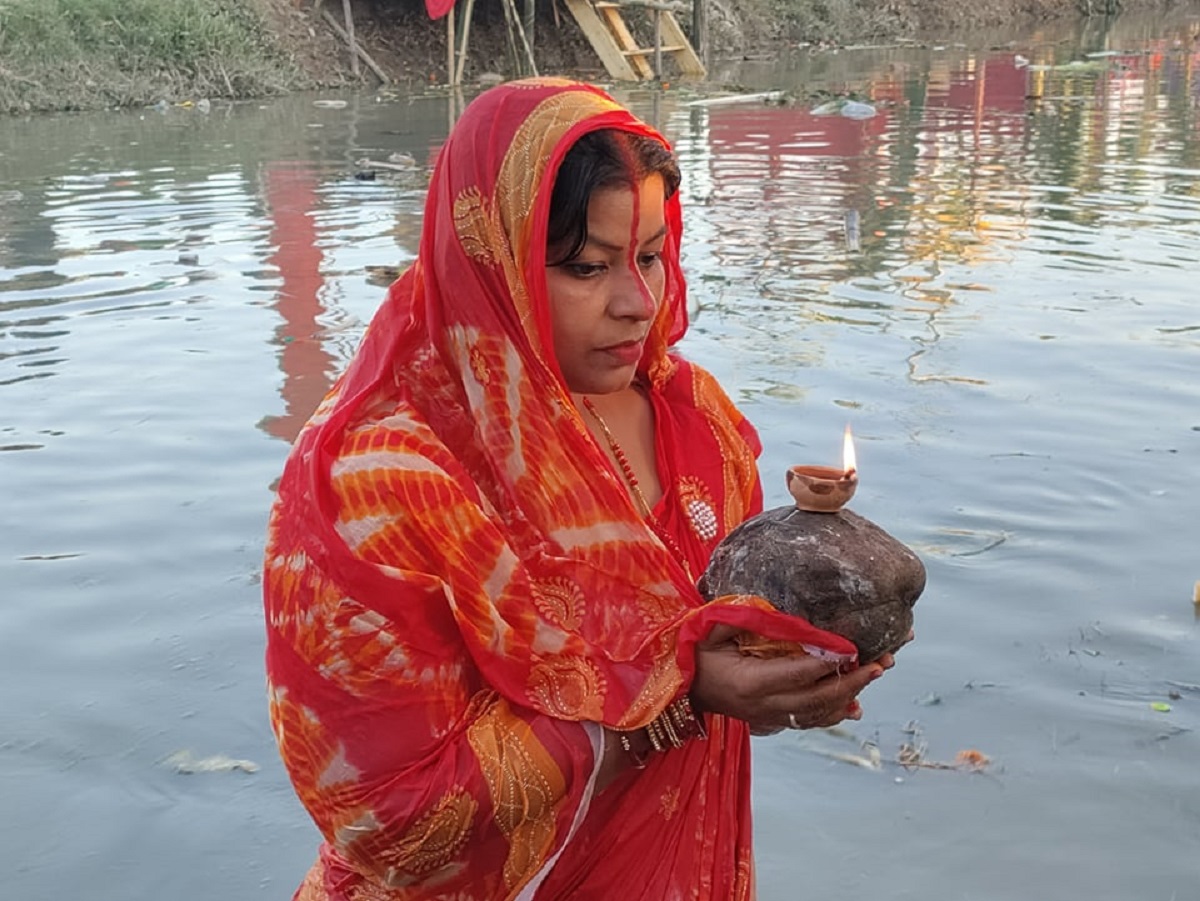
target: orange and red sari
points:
(459, 595)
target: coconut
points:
(839, 571)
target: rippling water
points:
(991, 279)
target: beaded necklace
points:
(635, 487)
(631, 478)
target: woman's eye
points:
(585, 270)
(646, 260)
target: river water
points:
(992, 279)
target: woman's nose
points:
(631, 296)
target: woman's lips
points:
(625, 353)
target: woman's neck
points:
(622, 424)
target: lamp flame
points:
(849, 461)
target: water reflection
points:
(969, 154)
(991, 276)
(962, 157)
(291, 197)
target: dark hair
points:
(600, 159)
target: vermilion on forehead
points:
(610, 205)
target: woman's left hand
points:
(801, 692)
(770, 694)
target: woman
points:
(491, 674)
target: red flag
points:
(438, 8)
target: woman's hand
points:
(777, 693)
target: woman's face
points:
(603, 300)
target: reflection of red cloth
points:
(457, 596)
(438, 8)
(291, 194)
(780, 132)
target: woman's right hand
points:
(776, 693)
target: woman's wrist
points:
(678, 724)
(637, 747)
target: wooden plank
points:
(686, 59)
(640, 4)
(602, 40)
(643, 51)
(625, 41)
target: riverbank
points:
(97, 54)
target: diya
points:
(819, 561)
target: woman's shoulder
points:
(692, 385)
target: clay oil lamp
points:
(823, 489)
(820, 561)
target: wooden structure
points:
(610, 37)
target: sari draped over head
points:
(459, 591)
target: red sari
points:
(459, 592)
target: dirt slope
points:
(410, 47)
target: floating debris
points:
(970, 758)
(844, 106)
(185, 763)
(383, 276)
(912, 754)
(1077, 66)
(775, 97)
(869, 759)
(1160, 706)
(396, 162)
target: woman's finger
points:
(825, 697)
(720, 634)
(776, 675)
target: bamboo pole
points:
(362, 54)
(451, 68)
(516, 19)
(700, 30)
(349, 16)
(530, 18)
(510, 33)
(462, 42)
(658, 69)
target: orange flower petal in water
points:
(972, 759)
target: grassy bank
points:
(95, 54)
(842, 21)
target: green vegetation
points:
(94, 54)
